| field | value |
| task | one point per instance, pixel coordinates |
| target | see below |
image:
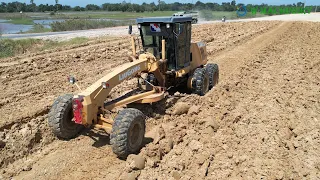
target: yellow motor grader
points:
(167, 58)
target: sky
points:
(99, 2)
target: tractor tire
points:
(60, 118)
(213, 73)
(128, 132)
(200, 82)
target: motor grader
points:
(166, 58)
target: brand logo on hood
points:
(129, 73)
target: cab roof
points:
(171, 19)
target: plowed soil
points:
(260, 121)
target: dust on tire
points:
(213, 73)
(128, 132)
(200, 82)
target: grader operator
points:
(168, 58)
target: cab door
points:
(183, 41)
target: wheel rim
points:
(69, 120)
(135, 137)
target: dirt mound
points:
(23, 139)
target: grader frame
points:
(89, 109)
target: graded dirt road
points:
(261, 121)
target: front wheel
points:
(128, 132)
(60, 118)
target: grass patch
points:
(55, 44)
(38, 28)
(14, 16)
(24, 21)
(83, 24)
(10, 47)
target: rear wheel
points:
(200, 82)
(213, 73)
(127, 132)
(194, 21)
(60, 118)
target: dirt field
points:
(261, 121)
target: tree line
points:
(131, 7)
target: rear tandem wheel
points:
(213, 73)
(200, 82)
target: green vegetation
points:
(9, 47)
(83, 24)
(55, 44)
(38, 28)
(85, 15)
(282, 10)
(93, 16)
(14, 16)
(17, 18)
(24, 21)
(217, 15)
(123, 6)
(110, 15)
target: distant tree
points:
(33, 5)
(122, 5)
(200, 5)
(153, 6)
(57, 1)
(3, 7)
(77, 8)
(233, 3)
(66, 8)
(162, 6)
(92, 7)
(300, 4)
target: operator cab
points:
(176, 31)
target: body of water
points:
(8, 28)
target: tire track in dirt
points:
(234, 57)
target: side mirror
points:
(72, 80)
(130, 29)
